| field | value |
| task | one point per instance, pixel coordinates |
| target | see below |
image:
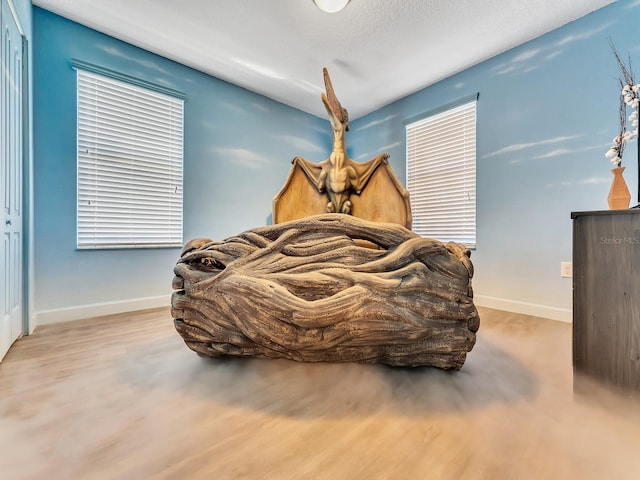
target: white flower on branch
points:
(629, 91)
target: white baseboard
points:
(56, 315)
(535, 309)
(46, 317)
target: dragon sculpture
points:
(339, 176)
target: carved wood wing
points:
(384, 199)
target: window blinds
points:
(130, 147)
(441, 174)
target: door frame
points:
(27, 193)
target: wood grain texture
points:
(297, 198)
(120, 397)
(606, 262)
(307, 291)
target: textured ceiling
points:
(376, 50)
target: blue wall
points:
(237, 151)
(547, 112)
(546, 115)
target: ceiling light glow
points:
(331, 6)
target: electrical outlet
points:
(566, 269)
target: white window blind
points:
(441, 174)
(130, 147)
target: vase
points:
(619, 196)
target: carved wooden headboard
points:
(384, 199)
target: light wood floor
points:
(122, 397)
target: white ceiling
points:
(376, 50)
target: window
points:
(441, 173)
(129, 163)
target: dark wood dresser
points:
(606, 296)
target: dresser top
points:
(629, 211)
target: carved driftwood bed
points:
(304, 290)
(330, 287)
